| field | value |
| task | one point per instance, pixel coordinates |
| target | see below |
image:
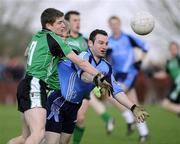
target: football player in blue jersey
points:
(75, 84)
(125, 68)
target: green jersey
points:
(45, 50)
(173, 67)
(78, 44)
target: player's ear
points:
(90, 43)
(48, 26)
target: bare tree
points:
(167, 12)
(16, 18)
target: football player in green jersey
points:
(172, 102)
(45, 50)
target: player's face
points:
(74, 23)
(58, 26)
(114, 25)
(66, 30)
(100, 45)
(174, 49)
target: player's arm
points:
(26, 52)
(138, 112)
(122, 98)
(83, 64)
(58, 47)
(137, 42)
(86, 77)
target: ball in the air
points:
(142, 23)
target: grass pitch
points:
(164, 127)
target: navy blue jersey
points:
(73, 89)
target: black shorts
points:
(31, 93)
(61, 114)
(174, 95)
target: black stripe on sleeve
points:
(54, 47)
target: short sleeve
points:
(83, 56)
(137, 42)
(57, 46)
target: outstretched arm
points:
(83, 64)
(138, 112)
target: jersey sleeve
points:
(57, 46)
(137, 42)
(115, 85)
(83, 56)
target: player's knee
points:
(80, 119)
(64, 141)
(165, 103)
(17, 140)
(39, 135)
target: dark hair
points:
(69, 13)
(173, 43)
(95, 32)
(114, 17)
(49, 15)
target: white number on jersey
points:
(31, 52)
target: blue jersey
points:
(122, 53)
(73, 89)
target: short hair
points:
(69, 13)
(115, 18)
(50, 15)
(173, 43)
(95, 32)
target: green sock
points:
(78, 134)
(105, 117)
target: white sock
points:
(142, 128)
(128, 116)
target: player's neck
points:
(97, 59)
(116, 34)
(74, 34)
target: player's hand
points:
(139, 113)
(100, 81)
(106, 89)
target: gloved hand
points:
(100, 81)
(139, 113)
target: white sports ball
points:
(142, 23)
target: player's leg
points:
(25, 133)
(172, 102)
(70, 111)
(142, 127)
(55, 118)
(21, 95)
(52, 137)
(170, 106)
(80, 124)
(36, 119)
(65, 138)
(127, 115)
(34, 103)
(100, 109)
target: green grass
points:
(164, 127)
